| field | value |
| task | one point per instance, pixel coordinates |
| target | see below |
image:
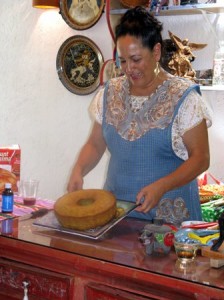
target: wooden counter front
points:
(56, 265)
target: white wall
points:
(49, 122)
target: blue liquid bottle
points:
(7, 199)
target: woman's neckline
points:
(154, 90)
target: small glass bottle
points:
(7, 199)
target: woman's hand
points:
(75, 182)
(149, 196)
(88, 158)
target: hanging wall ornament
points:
(81, 14)
(78, 63)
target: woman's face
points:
(137, 62)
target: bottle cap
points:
(8, 185)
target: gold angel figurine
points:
(180, 62)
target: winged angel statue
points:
(179, 56)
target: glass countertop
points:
(120, 245)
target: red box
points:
(10, 161)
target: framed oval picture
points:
(81, 14)
(78, 63)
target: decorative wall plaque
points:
(78, 63)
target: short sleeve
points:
(191, 113)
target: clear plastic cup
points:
(28, 190)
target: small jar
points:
(7, 199)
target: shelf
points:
(188, 9)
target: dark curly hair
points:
(142, 24)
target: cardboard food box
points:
(10, 162)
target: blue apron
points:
(135, 164)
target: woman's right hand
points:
(88, 158)
(75, 182)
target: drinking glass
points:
(29, 190)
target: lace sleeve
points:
(191, 112)
(96, 107)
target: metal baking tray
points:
(50, 221)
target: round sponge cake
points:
(85, 209)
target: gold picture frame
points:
(81, 14)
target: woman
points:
(152, 123)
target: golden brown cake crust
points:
(7, 177)
(85, 209)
